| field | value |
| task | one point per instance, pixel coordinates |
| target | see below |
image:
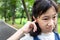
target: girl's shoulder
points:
(27, 37)
(57, 35)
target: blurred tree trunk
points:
(28, 16)
(13, 7)
(13, 15)
(21, 18)
(5, 10)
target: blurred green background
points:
(17, 12)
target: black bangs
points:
(41, 6)
(55, 5)
(44, 7)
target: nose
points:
(51, 22)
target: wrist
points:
(21, 30)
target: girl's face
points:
(48, 20)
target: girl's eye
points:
(45, 19)
(54, 17)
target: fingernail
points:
(33, 30)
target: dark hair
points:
(40, 7)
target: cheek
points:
(41, 24)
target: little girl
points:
(44, 22)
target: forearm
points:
(17, 35)
(25, 29)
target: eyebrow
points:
(45, 16)
(55, 14)
(48, 16)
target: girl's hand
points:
(29, 26)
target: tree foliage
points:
(11, 9)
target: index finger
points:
(34, 21)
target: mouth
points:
(50, 27)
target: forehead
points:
(50, 12)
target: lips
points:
(50, 27)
